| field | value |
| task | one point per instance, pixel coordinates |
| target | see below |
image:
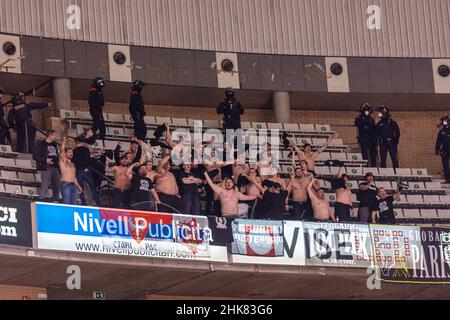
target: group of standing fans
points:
(232, 188)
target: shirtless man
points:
(320, 206)
(69, 184)
(344, 204)
(299, 186)
(252, 188)
(137, 153)
(303, 166)
(150, 173)
(122, 184)
(214, 169)
(264, 165)
(229, 197)
(166, 186)
(239, 168)
(308, 155)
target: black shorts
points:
(342, 212)
(388, 218)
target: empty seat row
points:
(20, 176)
(183, 122)
(422, 213)
(16, 163)
(415, 199)
(20, 190)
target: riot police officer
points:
(20, 117)
(367, 134)
(96, 104)
(137, 110)
(388, 137)
(443, 146)
(5, 137)
(231, 110)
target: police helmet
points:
(138, 85)
(384, 111)
(445, 120)
(229, 93)
(99, 83)
(17, 98)
(366, 109)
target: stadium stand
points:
(425, 201)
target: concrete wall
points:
(299, 27)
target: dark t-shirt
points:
(140, 189)
(189, 188)
(368, 198)
(52, 153)
(274, 203)
(81, 158)
(385, 207)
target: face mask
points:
(380, 115)
(367, 113)
(445, 123)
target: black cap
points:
(369, 174)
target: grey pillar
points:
(62, 94)
(282, 107)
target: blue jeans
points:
(192, 203)
(85, 176)
(298, 210)
(69, 192)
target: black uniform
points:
(5, 136)
(443, 148)
(96, 104)
(388, 137)
(19, 117)
(137, 112)
(367, 138)
(232, 111)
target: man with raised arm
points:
(122, 184)
(229, 197)
(308, 155)
(275, 199)
(383, 209)
(344, 203)
(321, 207)
(167, 187)
(69, 184)
(142, 189)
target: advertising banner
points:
(293, 245)
(337, 245)
(258, 238)
(122, 232)
(433, 265)
(397, 249)
(15, 222)
(221, 230)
